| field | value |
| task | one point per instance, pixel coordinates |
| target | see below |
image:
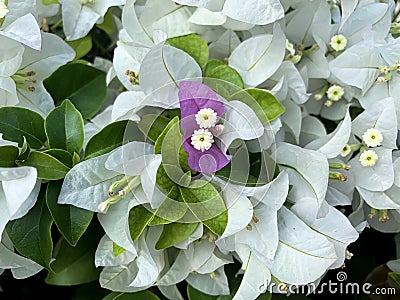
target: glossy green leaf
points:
(164, 182)
(62, 155)
(108, 23)
(48, 167)
(25, 150)
(85, 86)
(117, 250)
(174, 157)
(160, 139)
(8, 156)
(112, 136)
(194, 294)
(64, 128)
(193, 45)
(256, 99)
(395, 277)
(211, 65)
(142, 295)
(71, 221)
(48, 2)
(75, 265)
(81, 46)
(207, 205)
(31, 234)
(223, 72)
(17, 122)
(174, 233)
(222, 78)
(139, 218)
(171, 210)
(152, 126)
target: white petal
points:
(332, 144)
(257, 12)
(25, 30)
(257, 58)
(162, 69)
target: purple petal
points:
(208, 161)
(194, 96)
(188, 125)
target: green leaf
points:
(85, 86)
(228, 174)
(142, 295)
(64, 128)
(48, 2)
(256, 98)
(31, 234)
(139, 218)
(174, 233)
(164, 182)
(17, 122)
(223, 72)
(71, 221)
(62, 155)
(112, 136)
(75, 265)
(207, 205)
(108, 24)
(117, 250)
(211, 65)
(174, 157)
(160, 139)
(395, 277)
(152, 126)
(25, 150)
(193, 45)
(48, 167)
(194, 294)
(81, 46)
(8, 156)
(171, 209)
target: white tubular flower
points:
(368, 158)
(206, 118)
(338, 42)
(202, 139)
(380, 79)
(3, 10)
(290, 47)
(335, 92)
(345, 151)
(372, 137)
(103, 206)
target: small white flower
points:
(335, 92)
(202, 139)
(368, 158)
(338, 42)
(206, 118)
(328, 103)
(346, 150)
(372, 137)
(3, 10)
